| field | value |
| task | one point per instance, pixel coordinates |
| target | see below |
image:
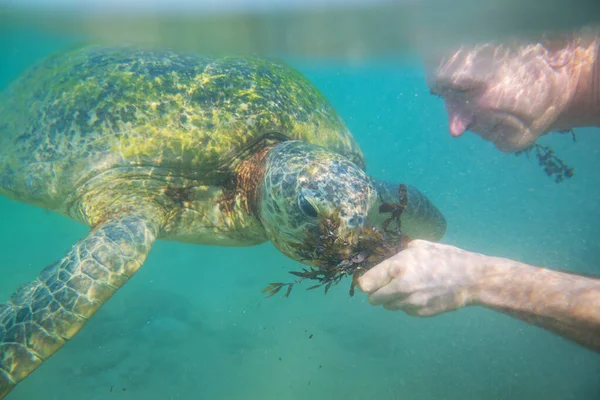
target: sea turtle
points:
(146, 144)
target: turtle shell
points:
(79, 113)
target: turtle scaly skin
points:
(94, 117)
(311, 181)
(42, 315)
(141, 145)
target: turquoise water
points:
(193, 324)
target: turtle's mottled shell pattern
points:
(93, 109)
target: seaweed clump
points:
(552, 165)
(339, 257)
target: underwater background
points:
(193, 324)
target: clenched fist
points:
(425, 279)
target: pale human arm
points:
(431, 278)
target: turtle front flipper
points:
(42, 315)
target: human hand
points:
(425, 279)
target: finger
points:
(402, 305)
(420, 307)
(387, 294)
(395, 305)
(409, 308)
(375, 277)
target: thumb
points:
(381, 274)
(376, 277)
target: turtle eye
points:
(305, 206)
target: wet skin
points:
(510, 95)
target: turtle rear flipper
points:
(42, 315)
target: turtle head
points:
(314, 202)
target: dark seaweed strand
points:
(339, 259)
(552, 165)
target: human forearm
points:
(429, 278)
(563, 303)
